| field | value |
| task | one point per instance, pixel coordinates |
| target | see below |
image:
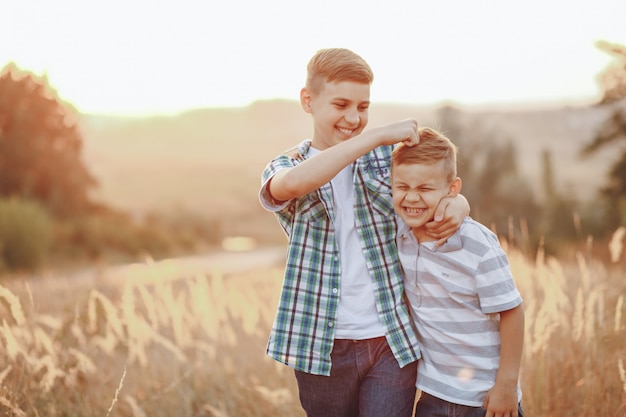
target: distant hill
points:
(209, 160)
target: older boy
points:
(467, 310)
(341, 321)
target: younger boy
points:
(466, 308)
(341, 321)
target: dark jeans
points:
(365, 381)
(429, 406)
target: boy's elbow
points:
(290, 189)
(282, 188)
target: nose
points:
(352, 117)
(412, 196)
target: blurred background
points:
(139, 275)
(132, 129)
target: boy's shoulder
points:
(297, 152)
(294, 153)
(478, 232)
(291, 156)
(471, 237)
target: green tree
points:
(613, 130)
(40, 145)
(25, 234)
(500, 164)
(503, 197)
(558, 211)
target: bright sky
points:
(142, 57)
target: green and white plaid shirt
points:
(303, 331)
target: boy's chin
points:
(414, 223)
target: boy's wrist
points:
(507, 379)
(372, 138)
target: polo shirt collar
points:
(452, 244)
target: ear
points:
(305, 99)
(455, 187)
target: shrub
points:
(107, 235)
(25, 233)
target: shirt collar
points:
(304, 147)
(453, 243)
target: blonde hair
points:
(433, 147)
(337, 64)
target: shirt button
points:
(335, 290)
(331, 324)
(336, 258)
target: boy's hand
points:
(501, 401)
(392, 133)
(448, 218)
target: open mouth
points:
(414, 211)
(346, 132)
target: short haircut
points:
(336, 64)
(433, 147)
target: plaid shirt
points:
(303, 331)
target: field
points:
(186, 337)
(167, 339)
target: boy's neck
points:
(421, 235)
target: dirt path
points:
(55, 287)
(222, 262)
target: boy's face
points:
(339, 111)
(416, 191)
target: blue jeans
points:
(365, 381)
(430, 406)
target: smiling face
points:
(339, 110)
(416, 191)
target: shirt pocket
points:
(379, 195)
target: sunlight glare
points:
(142, 57)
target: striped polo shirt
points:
(455, 292)
(303, 332)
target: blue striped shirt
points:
(303, 331)
(455, 292)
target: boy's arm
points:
(501, 400)
(448, 218)
(312, 173)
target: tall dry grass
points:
(153, 340)
(150, 342)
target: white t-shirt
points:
(357, 317)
